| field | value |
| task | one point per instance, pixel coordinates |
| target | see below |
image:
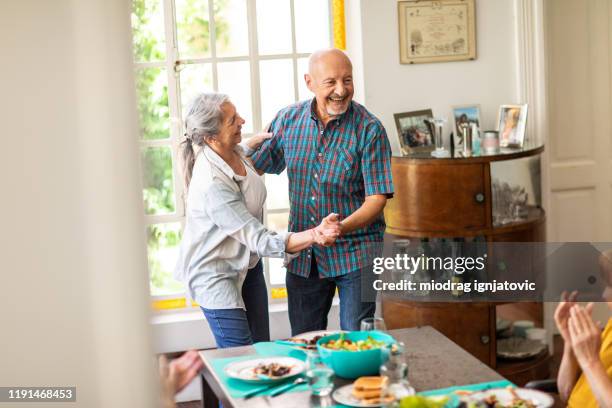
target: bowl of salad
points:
(355, 354)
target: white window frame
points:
(172, 65)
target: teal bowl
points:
(354, 364)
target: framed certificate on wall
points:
(436, 31)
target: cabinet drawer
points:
(438, 197)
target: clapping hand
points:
(585, 335)
(328, 231)
(562, 314)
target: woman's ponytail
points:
(188, 156)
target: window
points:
(256, 51)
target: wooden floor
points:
(554, 367)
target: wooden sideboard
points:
(453, 198)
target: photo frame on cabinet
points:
(413, 132)
(464, 114)
(512, 122)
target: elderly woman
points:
(585, 374)
(224, 236)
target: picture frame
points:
(413, 133)
(512, 122)
(436, 31)
(464, 113)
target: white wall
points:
(490, 80)
(73, 294)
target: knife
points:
(284, 388)
(263, 388)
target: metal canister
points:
(490, 142)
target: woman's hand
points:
(328, 231)
(254, 142)
(562, 314)
(585, 336)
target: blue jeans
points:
(310, 299)
(237, 327)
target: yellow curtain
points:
(338, 24)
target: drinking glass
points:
(395, 368)
(373, 323)
(320, 377)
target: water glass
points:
(320, 377)
(373, 323)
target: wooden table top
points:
(434, 362)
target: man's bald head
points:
(330, 78)
(327, 56)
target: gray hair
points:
(202, 123)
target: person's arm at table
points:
(586, 343)
(569, 370)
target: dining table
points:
(434, 362)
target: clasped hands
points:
(326, 233)
(578, 329)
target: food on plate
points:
(348, 345)
(368, 390)
(491, 401)
(307, 343)
(272, 370)
(419, 401)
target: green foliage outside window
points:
(153, 106)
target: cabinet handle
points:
(485, 339)
(479, 197)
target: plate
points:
(540, 399)
(308, 336)
(344, 395)
(244, 370)
(519, 348)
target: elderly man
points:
(337, 157)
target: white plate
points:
(540, 399)
(344, 395)
(310, 335)
(519, 348)
(244, 370)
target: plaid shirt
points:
(330, 169)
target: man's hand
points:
(585, 336)
(562, 314)
(328, 231)
(254, 142)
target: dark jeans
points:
(236, 327)
(310, 300)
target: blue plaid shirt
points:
(330, 169)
